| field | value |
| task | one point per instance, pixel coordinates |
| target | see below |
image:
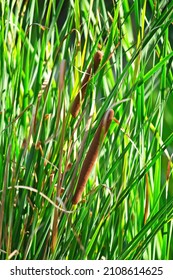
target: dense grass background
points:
(126, 209)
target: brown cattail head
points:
(92, 154)
(62, 74)
(97, 59)
(168, 170)
(80, 96)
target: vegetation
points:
(47, 49)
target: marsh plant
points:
(86, 136)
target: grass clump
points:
(56, 89)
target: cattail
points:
(92, 154)
(168, 170)
(80, 96)
(62, 74)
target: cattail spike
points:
(92, 154)
(80, 96)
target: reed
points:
(80, 96)
(92, 154)
(39, 137)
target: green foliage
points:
(127, 207)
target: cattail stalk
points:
(80, 96)
(92, 154)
